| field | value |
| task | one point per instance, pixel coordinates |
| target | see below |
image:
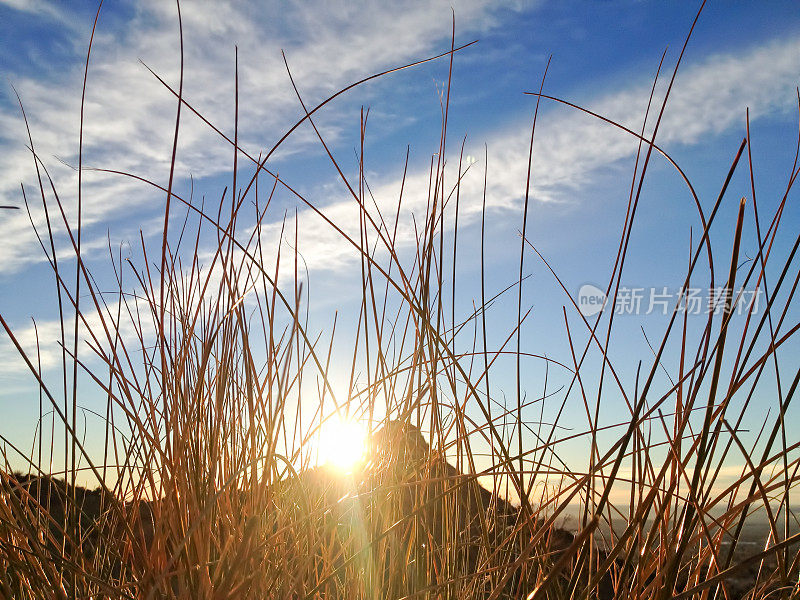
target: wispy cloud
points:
(571, 148)
(38, 7)
(130, 117)
(709, 97)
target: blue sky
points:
(604, 57)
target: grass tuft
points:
(206, 483)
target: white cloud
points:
(570, 147)
(708, 98)
(40, 340)
(130, 117)
(32, 6)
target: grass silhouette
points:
(207, 487)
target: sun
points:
(342, 444)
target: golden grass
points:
(208, 487)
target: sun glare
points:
(342, 444)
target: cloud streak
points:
(130, 117)
(571, 148)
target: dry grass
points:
(207, 484)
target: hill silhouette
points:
(406, 496)
(407, 500)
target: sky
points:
(602, 56)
